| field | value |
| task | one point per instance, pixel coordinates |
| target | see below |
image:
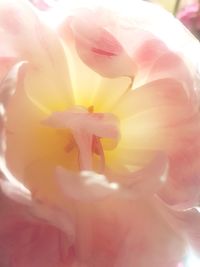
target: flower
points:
(100, 118)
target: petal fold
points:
(98, 47)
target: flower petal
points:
(29, 232)
(139, 231)
(98, 47)
(156, 129)
(147, 180)
(28, 242)
(34, 42)
(171, 65)
(186, 223)
(27, 141)
(159, 93)
(91, 89)
(149, 51)
(183, 185)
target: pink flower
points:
(100, 140)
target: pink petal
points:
(98, 47)
(186, 223)
(28, 242)
(112, 45)
(149, 179)
(8, 55)
(33, 235)
(159, 93)
(137, 242)
(34, 42)
(5, 65)
(182, 189)
(149, 51)
(171, 65)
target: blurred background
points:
(187, 11)
(170, 4)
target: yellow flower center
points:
(88, 131)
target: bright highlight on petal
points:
(89, 186)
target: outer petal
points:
(31, 40)
(137, 242)
(25, 157)
(171, 65)
(30, 235)
(182, 189)
(186, 223)
(8, 57)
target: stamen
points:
(91, 109)
(70, 146)
(87, 129)
(97, 148)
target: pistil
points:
(87, 129)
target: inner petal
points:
(33, 150)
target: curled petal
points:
(171, 65)
(149, 51)
(9, 83)
(86, 186)
(16, 191)
(6, 64)
(186, 223)
(149, 179)
(159, 115)
(98, 47)
(182, 190)
(29, 242)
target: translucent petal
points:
(97, 47)
(34, 42)
(33, 241)
(159, 93)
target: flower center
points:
(88, 129)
